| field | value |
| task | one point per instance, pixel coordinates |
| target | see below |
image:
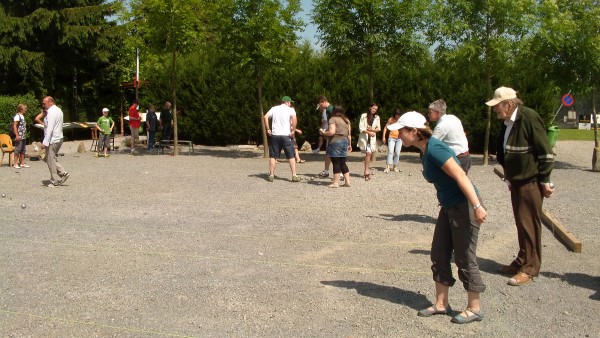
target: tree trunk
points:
(371, 77)
(174, 93)
(486, 142)
(259, 85)
(596, 154)
(488, 70)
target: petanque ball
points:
(23, 206)
(3, 195)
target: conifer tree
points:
(59, 48)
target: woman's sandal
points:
(301, 161)
(367, 177)
(473, 317)
(430, 311)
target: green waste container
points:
(553, 135)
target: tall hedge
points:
(8, 109)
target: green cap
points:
(287, 99)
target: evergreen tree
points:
(66, 49)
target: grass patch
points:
(576, 135)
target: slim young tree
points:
(259, 34)
(366, 29)
(170, 27)
(485, 32)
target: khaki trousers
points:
(56, 170)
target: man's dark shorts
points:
(279, 142)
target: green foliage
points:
(568, 43)
(8, 109)
(167, 26)
(364, 30)
(231, 60)
(63, 49)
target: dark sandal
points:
(474, 317)
(301, 161)
(367, 177)
(427, 312)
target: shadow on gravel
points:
(565, 165)
(227, 153)
(578, 279)
(406, 217)
(420, 252)
(391, 294)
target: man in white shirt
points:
(53, 139)
(282, 135)
(450, 130)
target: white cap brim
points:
(394, 126)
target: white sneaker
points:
(16, 166)
(25, 165)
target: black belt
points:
(466, 153)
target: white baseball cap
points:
(105, 110)
(502, 94)
(412, 119)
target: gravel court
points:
(202, 245)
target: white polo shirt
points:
(282, 117)
(450, 130)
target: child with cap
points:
(105, 125)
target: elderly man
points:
(450, 130)
(53, 139)
(282, 135)
(526, 156)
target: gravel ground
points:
(202, 245)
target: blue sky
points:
(310, 30)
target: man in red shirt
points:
(134, 123)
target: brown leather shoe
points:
(508, 269)
(520, 279)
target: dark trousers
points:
(527, 208)
(339, 165)
(151, 135)
(166, 132)
(456, 230)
